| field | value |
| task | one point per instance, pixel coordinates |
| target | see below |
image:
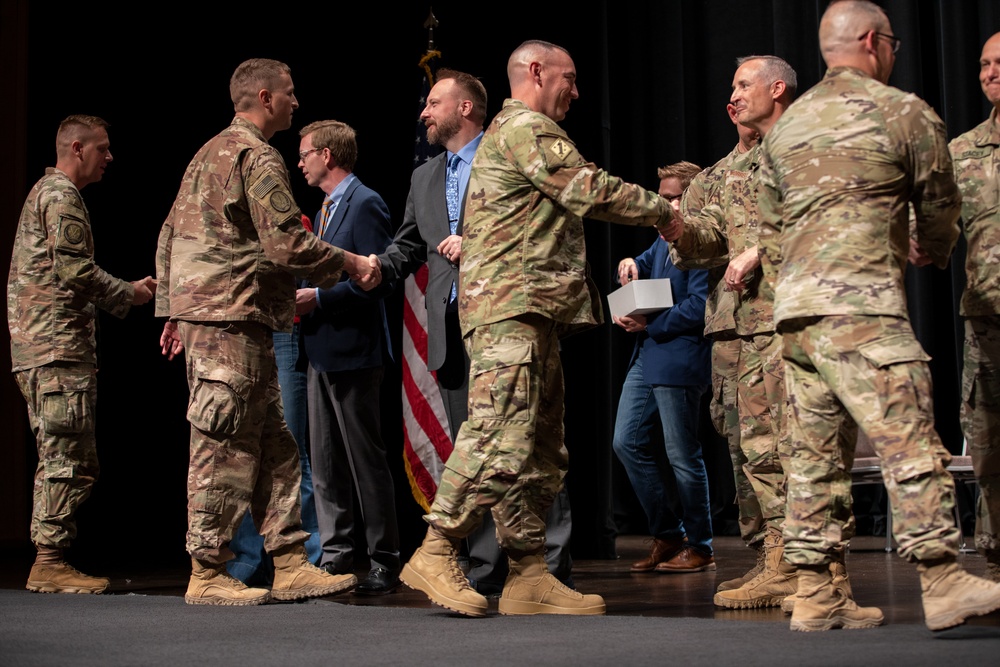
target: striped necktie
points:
(324, 220)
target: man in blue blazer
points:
(669, 372)
(347, 343)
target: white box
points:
(641, 296)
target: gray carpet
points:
(130, 629)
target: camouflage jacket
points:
(838, 173)
(523, 248)
(722, 229)
(706, 190)
(234, 237)
(54, 288)
(977, 169)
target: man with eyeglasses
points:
(839, 173)
(347, 344)
(977, 169)
(225, 260)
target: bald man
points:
(523, 284)
(839, 173)
(977, 169)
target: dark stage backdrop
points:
(654, 78)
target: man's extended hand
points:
(144, 290)
(367, 272)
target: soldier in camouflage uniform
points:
(225, 262)
(720, 325)
(976, 155)
(523, 285)
(839, 172)
(763, 87)
(53, 292)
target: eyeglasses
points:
(673, 198)
(896, 41)
(304, 154)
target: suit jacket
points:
(424, 226)
(348, 330)
(674, 348)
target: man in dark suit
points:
(454, 117)
(346, 342)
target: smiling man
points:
(977, 170)
(523, 285)
(53, 293)
(225, 260)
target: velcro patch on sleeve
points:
(72, 234)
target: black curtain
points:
(654, 78)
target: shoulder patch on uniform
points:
(560, 149)
(281, 202)
(263, 185)
(73, 232)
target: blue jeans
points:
(251, 564)
(676, 409)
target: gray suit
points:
(424, 226)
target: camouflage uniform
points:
(53, 292)
(976, 155)
(839, 170)
(720, 324)
(722, 230)
(523, 285)
(225, 260)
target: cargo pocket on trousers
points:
(219, 399)
(66, 405)
(503, 373)
(899, 385)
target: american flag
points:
(426, 433)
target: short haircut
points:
(336, 136)
(472, 87)
(682, 171)
(251, 77)
(775, 69)
(76, 127)
(528, 51)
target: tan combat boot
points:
(661, 552)
(838, 572)
(51, 574)
(211, 584)
(433, 570)
(951, 595)
(531, 589)
(822, 605)
(774, 583)
(730, 584)
(295, 578)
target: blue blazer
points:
(674, 348)
(348, 329)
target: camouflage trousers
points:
(980, 414)
(763, 432)
(509, 456)
(242, 453)
(61, 398)
(725, 417)
(871, 370)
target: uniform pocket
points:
(219, 398)
(66, 405)
(503, 375)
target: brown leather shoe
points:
(663, 550)
(687, 559)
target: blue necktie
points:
(324, 219)
(451, 192)
(451, 196)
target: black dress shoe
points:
(378, 582)
(333, 568)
